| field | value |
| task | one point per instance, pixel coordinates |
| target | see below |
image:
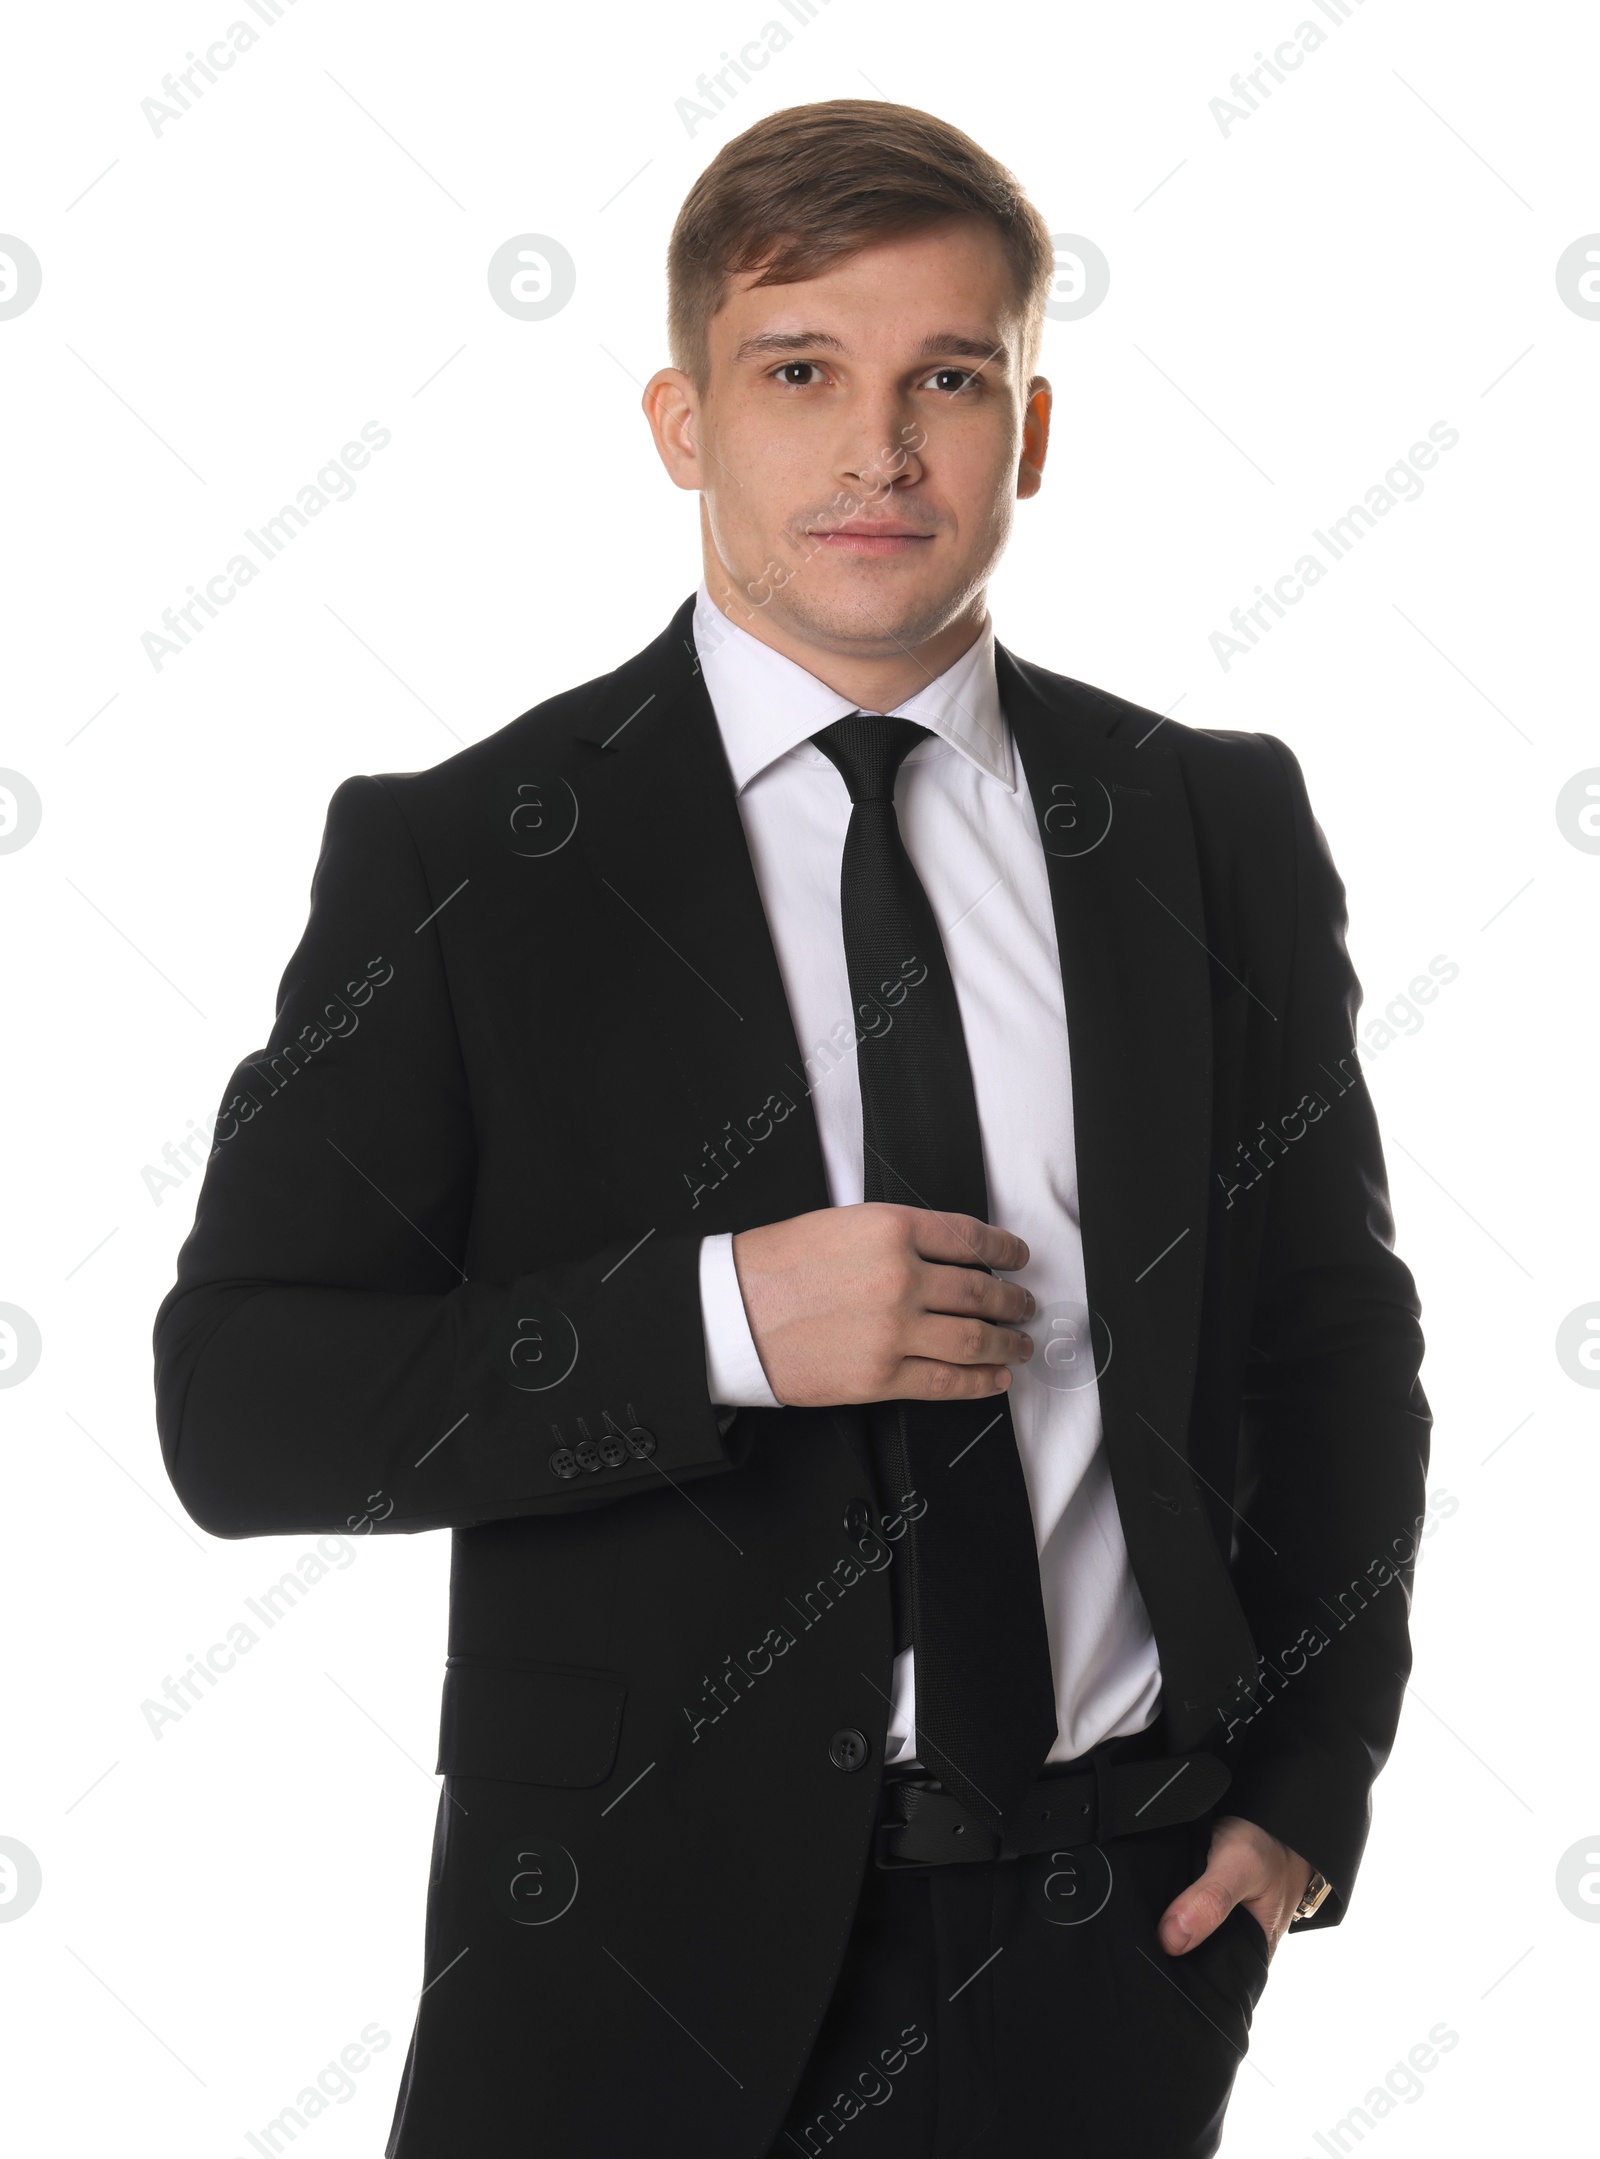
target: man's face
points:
(860, 441)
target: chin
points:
(855, 608)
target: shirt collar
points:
(767, 705)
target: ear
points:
(672, 406)
(1035, 439)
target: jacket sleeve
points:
(323, 1362)
(1334, 1429)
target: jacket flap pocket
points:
(529, 1723)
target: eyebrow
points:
(958, 342)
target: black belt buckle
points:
(883, 1856)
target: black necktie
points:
(968, 1599)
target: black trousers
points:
(1025, 2007)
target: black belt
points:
(921, 1825)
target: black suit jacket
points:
(533, 1046)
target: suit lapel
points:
(1119, 843)
(665, 842)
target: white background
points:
(226, 1907)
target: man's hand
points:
(1244, 1866)
(877, 1303)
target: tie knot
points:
(869, 748)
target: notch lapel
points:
(1119, 843)
(665, 842)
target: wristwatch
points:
(1316, 1891)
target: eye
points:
(954, 380)
(788, 373)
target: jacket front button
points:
(847, 1749)
(858, 1517)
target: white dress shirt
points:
(968, 824)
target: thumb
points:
(1198, 1910)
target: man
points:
(834, 1161)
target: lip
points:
(870, 536)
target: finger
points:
(961, 1240)
(1201, 1908)
(927, 1379)
(969, 1291)
(966, 1341)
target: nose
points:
(882, 450)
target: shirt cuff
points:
(734, 1376)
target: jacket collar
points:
(768, 706)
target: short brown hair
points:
(810, 185)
